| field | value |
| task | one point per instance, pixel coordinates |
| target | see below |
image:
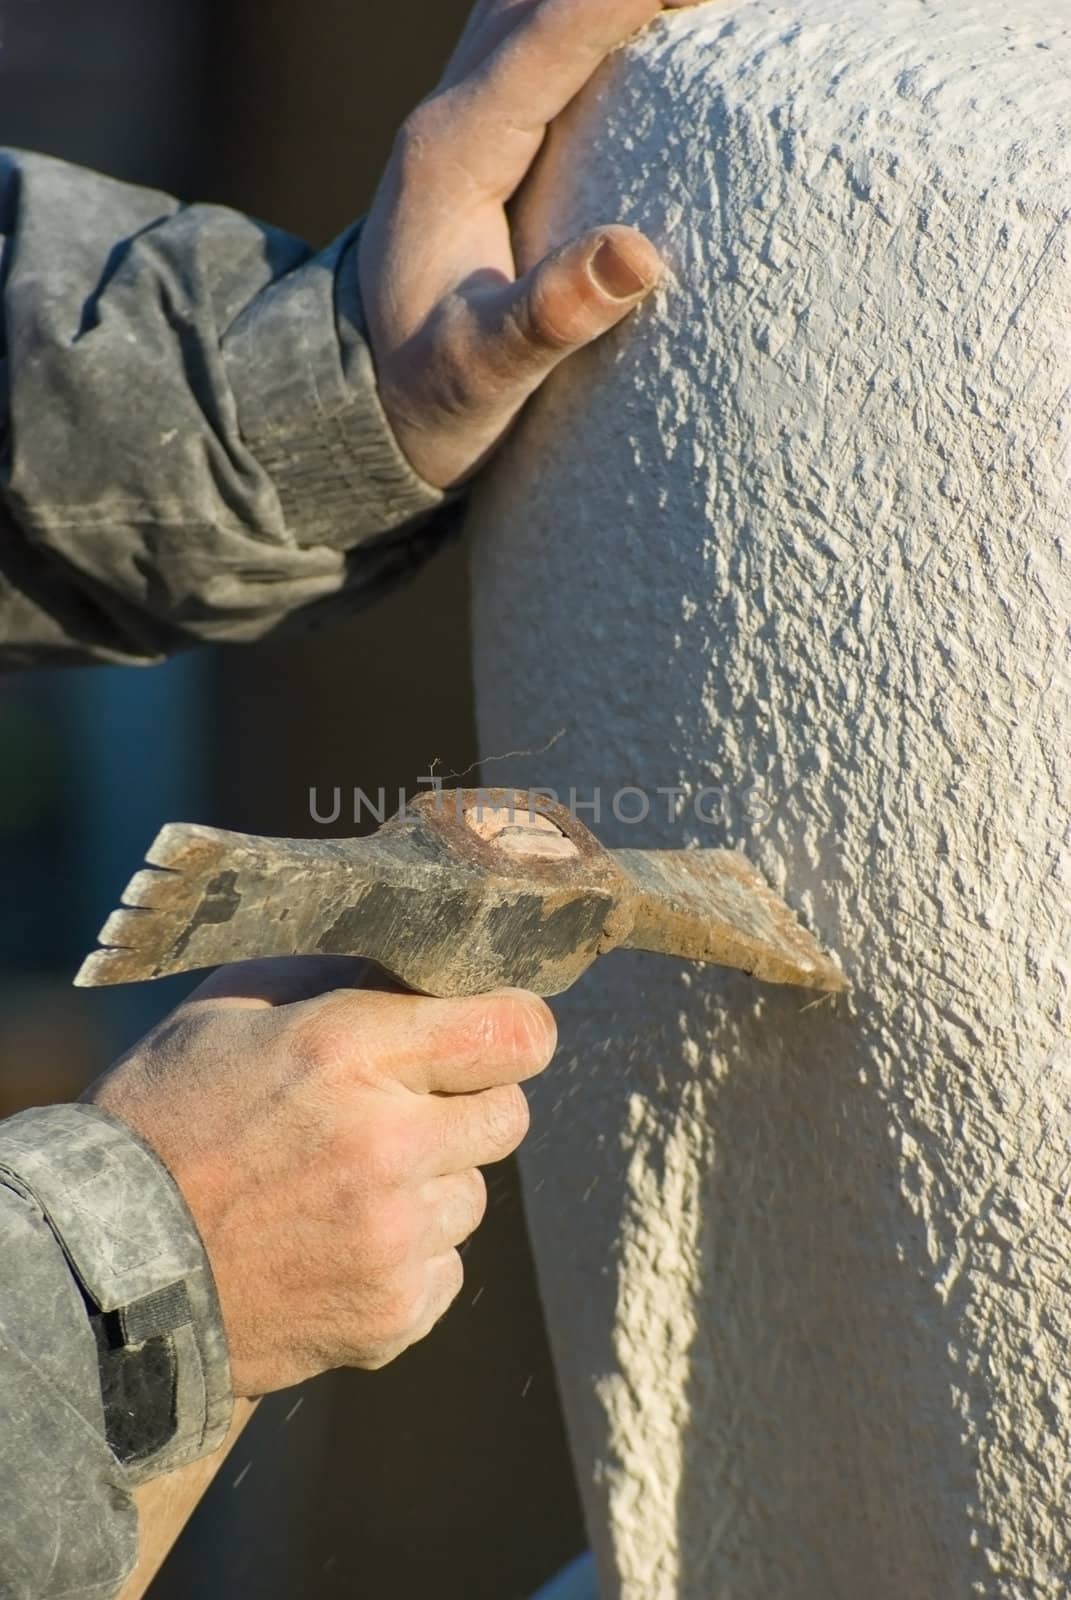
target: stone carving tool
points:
(469, 890)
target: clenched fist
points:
(327, 1140)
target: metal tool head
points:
(467, 890)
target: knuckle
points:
(321, 1043)
(412, 1309)
(478, 1198)
(386, 1243)
(336, 1037)
(468, 1206)
(386, 1352)
(382, 1357)
(379, 1154)
(389, 1319)
(386, 1160)
(341, 1181)
(552, 321)
(506, 1116)
(453, 1279)
(417, 136)
(406, 1311)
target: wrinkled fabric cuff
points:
(300, 368)
(134, 1248)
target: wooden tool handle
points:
(166, 1504)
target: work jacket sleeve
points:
(192, 446)
(113, 1360)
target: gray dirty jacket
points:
(191, 448)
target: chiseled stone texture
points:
(801, 530)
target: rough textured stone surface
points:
(803, 524)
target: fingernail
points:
(613, 274)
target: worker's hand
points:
(327, 1140)
(458, 341)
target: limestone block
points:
(799, 532)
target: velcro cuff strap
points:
(163, 1312)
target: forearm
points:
(113, 1364)
(195, 448)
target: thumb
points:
(568, 299)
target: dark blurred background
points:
(446, 1473)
